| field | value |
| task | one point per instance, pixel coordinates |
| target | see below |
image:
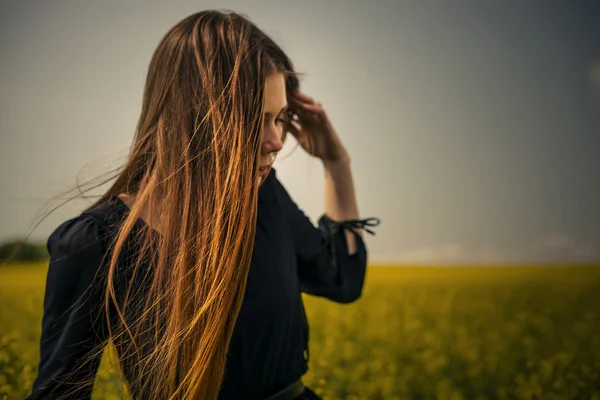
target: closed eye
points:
(284, 111)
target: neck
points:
(149, 217)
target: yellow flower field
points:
(417, 333)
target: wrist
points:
(343, 161)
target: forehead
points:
(275, 95)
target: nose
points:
(271, 139)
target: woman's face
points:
(275, 106)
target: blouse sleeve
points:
(72, 324)
(324, 266)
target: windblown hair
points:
(193, 167)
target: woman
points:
(184, 264)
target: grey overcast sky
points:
(473, 126)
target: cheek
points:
(264, 147)
(266, 137)
(262, 140)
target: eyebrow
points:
(268, 114)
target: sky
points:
(473, 126)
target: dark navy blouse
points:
(269, 347)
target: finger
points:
(294, 129)
(296, 111)
(311, 108)
(292, 114)
(296, 101)
(303, 97)
(299, 104)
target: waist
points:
(289, 393)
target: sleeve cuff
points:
(331, 226)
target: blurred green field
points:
(417, 333)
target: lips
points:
(264, 170)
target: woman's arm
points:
(340, 199)
(73, 333)
(326, 266)
(310, 125)
(331, 258)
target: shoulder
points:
(80, 240)
(75, 280)
(74, 236)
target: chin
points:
(263, 178)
